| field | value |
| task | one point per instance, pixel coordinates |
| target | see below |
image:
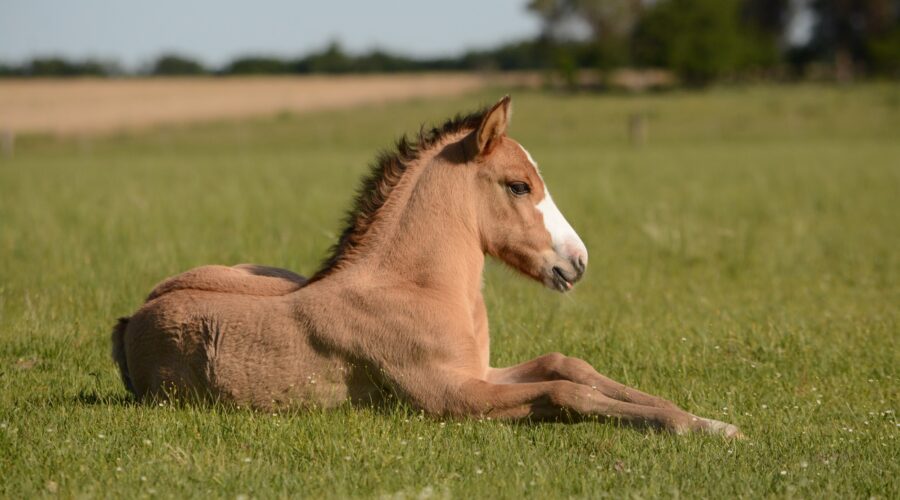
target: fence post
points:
(8, 143)
(637, 129)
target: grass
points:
(744, 263)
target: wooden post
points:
(637, 129)
(7, 143)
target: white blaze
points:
(565, 240)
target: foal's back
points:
(243, 279)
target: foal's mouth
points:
(563, 275)
(560, 281)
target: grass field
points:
(745, 263)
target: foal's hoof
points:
(722, 429)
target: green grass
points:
(745, 263)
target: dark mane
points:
(383, 176)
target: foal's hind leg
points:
(556, 366)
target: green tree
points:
(257, 65)
(58, 67)
(176, 65)
(763, 25)
(331, 60)
(701, 40)
(854, 33)
(7, 70)
(884, 53)
(607, 26)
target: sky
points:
(215, 31)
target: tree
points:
(176, 65)
(884, 53)
(764, 25)
(7, 70)
(257, 65)
(331, 60)
(606, 19)
(587, 32)
(701, 40)
(58, 67)
(855, 33)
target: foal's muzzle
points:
(564, 273)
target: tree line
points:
(333, 59)
(698, 40)
(705, 40)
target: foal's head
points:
(518, 221)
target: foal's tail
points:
(118, 352)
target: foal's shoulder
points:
(243, 279)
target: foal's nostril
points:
(578, 264)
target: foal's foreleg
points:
(556, 366)
(558, 398)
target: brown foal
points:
(397, 308)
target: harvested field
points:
(90, 106)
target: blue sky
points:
(134, 32)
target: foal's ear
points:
(493, 126)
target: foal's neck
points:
(427, 234)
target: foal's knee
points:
(558, 366)
(553, 365)
(571, 396)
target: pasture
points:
(744, 263)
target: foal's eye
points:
(519, 188)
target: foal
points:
(397, 308)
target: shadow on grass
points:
(388, 406)
(92, 398)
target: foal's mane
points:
(384, 174)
